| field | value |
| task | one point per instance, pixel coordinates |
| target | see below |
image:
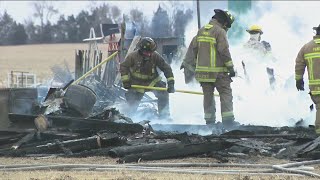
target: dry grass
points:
(124, 174)
(38, 59)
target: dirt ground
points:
(125, 174)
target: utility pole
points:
(198, 13)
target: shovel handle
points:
(165, 89)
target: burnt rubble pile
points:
(65, 125)
(134, 142)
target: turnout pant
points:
(134, 97)
(316, 100)
(222, 84)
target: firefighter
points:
(140, 68)
(255, 42)
(262, 47)
(208, 56)
(309, 56)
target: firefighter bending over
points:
(140, 68)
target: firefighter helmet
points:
(255, 29)
(147, 44)
(229, 17)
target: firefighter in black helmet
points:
(140, 68)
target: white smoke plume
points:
(287, 26)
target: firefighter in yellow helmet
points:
(140, 68)
(209, 58)
(255, 42)
(261, 47)
(309, 56)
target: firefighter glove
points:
(171, 87)
(232, 73)
(300, 85)
(127, 85)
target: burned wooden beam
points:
(9, 139)
(78, 123)
(54, 147)
(27, 138)
(180, 150)
(126, 150)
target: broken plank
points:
(180, 150)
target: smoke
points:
(287, 27)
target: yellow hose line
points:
(104, 61)
(164, 89)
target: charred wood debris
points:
(66, 132)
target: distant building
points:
(167, 46)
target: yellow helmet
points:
(255, 28)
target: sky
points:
(22, 10)
(287, 26)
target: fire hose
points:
(165, 89)
(290, 169)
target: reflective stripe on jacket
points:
(212, 52)
(141, 71)
(309, 56)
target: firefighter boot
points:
(230, 123)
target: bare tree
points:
(44, 10)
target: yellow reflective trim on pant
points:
(208, 26)
(170, 79)
(227, 114)
(317, 41)
(141, 76)
(318, 131)
(211, 69)
(125, 78)
(228, 63)
(298, 77)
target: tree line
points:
(73, 29)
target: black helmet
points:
(147, 44)
(316, 28)
(227, 16)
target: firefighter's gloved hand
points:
(126, 85)
(171, 87)
(232, 73)
(300, 85)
